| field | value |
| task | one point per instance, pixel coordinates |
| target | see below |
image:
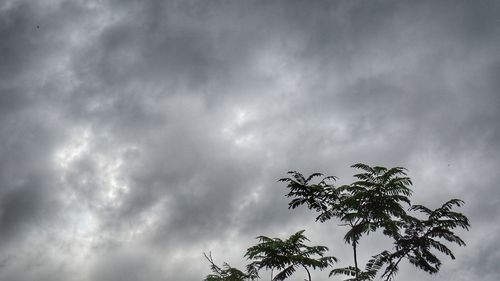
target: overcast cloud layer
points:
(136, 135)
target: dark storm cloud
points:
(138, 134)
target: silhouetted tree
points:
(375, 201)
(227, 273)
(416, 239)
(287, 255)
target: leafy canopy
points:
(418, 238)
(371, 202)
(226, 272)
(286, 255)
(379, 198)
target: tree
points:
(379, 199)
(418, 237)
(227, 273)
(287, 255)
(375, 201)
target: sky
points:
(137, 135)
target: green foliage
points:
(370, 203)
(374, 201)
(287, 255)
(322, 196)
(227, 273)
(377, 200)
(419, 237)
(351, 271)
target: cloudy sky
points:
(136, 135)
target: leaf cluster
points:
(275, 254)
(286, 255)
(226, 272)
(373, 201)
(417, 238)
(379, 198)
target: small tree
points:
(418, 237)
(226, 272)
(372, 202)
(287, 255)
(375, 201)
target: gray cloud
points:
(136, 135)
